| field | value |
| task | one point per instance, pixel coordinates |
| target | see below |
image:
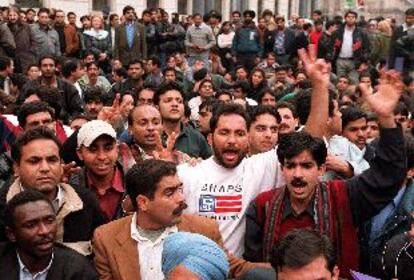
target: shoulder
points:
(112, 229)
(198, 224)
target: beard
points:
(220, 158)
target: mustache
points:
(44, 240)
(180, 208)
(298, 183)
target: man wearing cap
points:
(246, 42)
(102, 173)
(37, 165)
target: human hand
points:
(68, 170)
(167, 153)
(318, 70)
(111, 114)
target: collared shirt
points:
(109, 199)
(130, 28)
(346, 49)
(26, 275)
(406, 27)
(379, 220)
(150, 252)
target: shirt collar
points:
(140, 239)
(23, 267)
(117, 183)
(406, 27)
(288, 210)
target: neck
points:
(300, 205)
(93, 81)
(101, 182)
(49, 81)
(34, 264)
(71, 79)
(144, 222)
(171, 126)
(136, 82)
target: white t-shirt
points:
(225, 194)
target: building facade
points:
(368, 8)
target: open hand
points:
(113, 113)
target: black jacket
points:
(69, 97)
(289, 41)
(360, 45)
(402, 45)
(67, 264)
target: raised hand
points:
(113, 113)
(68, 170)
(384, 101)
(168, 152)
(318, 70)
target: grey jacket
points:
(201, 36)
(47, 41)
(7, 44)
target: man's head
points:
(248, 16)
(350, 18)
(146, 96)
(72, 69)
(401, 115)
(241, 73)
(170, 100)
(280, 22)
(30, 15)
(206, 89)
(33, 71)
(304, 254)
(354, 126)
(263, 129)
(372, 127)
(6, 66)
(316, 15)
(43, 16)
(289, 117)
(37, 161)
(153, 64)
(281, 74)
(319, 25)
(241, 90)
(71, 18)
(129, 13)
(31, 225)
(97, 148)
(145, 125)
(114, 20)
(93, 102)
(365, 78)
(197, 19)
(14, 14)
(268, 98)
(235, 17)
(76, 122)
(342, 84)
(35, 114)
(156, 193)
(170, 74)
(409, 16)
(59, 17)
(92, 70)
(205, 113)
(185, 256)
(303, 160)
(136, 69)
(48, 66)
(229, 134)
(303, 105)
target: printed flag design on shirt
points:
(220, 203)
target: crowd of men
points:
(139, 147)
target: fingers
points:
(363, 88)
(303, 55)
(158, 145)
(117, 100)
(312, 52)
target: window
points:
(182, 7)
(29, 3)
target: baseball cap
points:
(90, 131)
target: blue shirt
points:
(130, 34)
(378, 221)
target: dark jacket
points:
(247, 40)
(66, 265)
(7, 43)
(397, 223)
(139, 47)
(70, 99)
(25, 45)
(368, 193)
(289, 41)
(97, 45)
(323, 45)
(151, 36)
(402, 46)
(360, 46)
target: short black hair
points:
(167, 86)
(318, 12)
(69, 66)
(47, 56)
(236, 12)
(43, 10)
(402, 109)
(249, 12)
(22, 198)
(289, 106)
(89, 64)
(154, 60)
(93, 94)
(31, 108)
(226, 110)
(70, 14)
(351, 12)
(292, 144)
(112, 16)
(303, 104)
(224, 92)
(329, 23)
(262, 110)
(126, 9)
(4, 62)
(350, 114)
(143, 178)
(169, 69)
(136, 61)
(210, 104)
(30, 135)
(409, 12)
(243, 85)
(121, 72)
(300, 247)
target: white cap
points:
(90, 131)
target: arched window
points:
(29, 3)
(98, 5)
(153, 4)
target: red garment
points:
(60, 132)
(314, 38)
(338, 223)
(109, 199)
